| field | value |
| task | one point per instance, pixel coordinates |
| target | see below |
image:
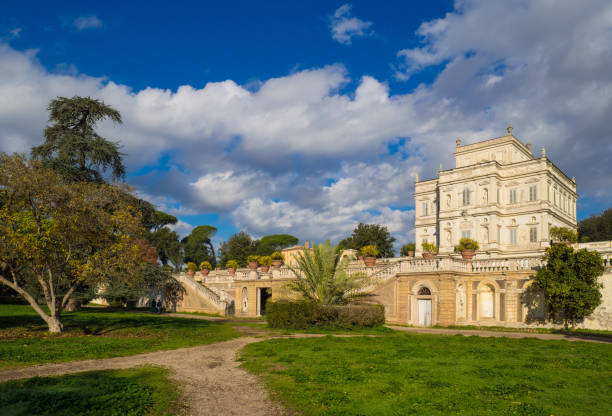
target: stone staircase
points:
(200, 298)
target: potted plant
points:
(231, 266)
(265, 262)
(408, 250)
(467, 247)
(205, 268)
(429, 250)
(369, 253)
(253, 261)
(191, 268)
(277, 259)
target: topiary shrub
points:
(369, 251)
(407, 248)
(265, 260)
(231, 264)
(303, 315)
(429, 248)
(192, 267)
(277, 255)
(467, 244)
(252, 259)
(205, 265)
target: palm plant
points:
(322, 277)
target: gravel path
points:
(211, 381)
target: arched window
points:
(424, 291)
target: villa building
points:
(498, 194)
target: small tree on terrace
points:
(569, 281)
(321, 277)
(61, 236)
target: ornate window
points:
(533, 235)
(533, 193)
(512, 198)
(466, 196)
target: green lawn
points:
(97, 333)
(132, 392)
(419, 374)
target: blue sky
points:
(309, 117)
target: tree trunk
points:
(55, 325)
(74, 305)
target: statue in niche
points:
(486, 235)
(485, 196)
(460, 301)
(448, 201)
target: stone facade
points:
(499, 195)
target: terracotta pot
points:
(231, 270)
(204, 272)
(277, 263)
(411, 254)
(467, 254)
(253, 265)
(190, 272)
(369, 261)
(429, 255)
(264, 269)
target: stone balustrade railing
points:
(223, 303)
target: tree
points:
(370, 234)
(73, 148)
(60, 236)
(596, 227)
(238, 247)
(198, 246)
(321, 277)
(167, 244)
(563, 235)
(569, 281)
(275, 242)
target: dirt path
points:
(211, 381)
(501, 334)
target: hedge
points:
(303, 315)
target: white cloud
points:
(304, 154)
(344, 26)
(181, 227)
(87, 22)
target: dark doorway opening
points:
(263, 294)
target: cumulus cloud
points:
(87, 22)
(307, 155)
(344, 26)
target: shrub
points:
(205, 265)
(467, 244)
(252, 259)
(265, 260)
(231, 264)
(429, 248)
(406, 248)
(192, 267)
(369, 251)
(277, 255)
(303, 315)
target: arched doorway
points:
(424, 301)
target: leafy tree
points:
(596, 227)
(321, 277)
(238, 247)
(73, 148)
(563, 235)
(198, 246)
(276, 242)
(167, 244)
(569, 281)
(370, 234)
(61, 236)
